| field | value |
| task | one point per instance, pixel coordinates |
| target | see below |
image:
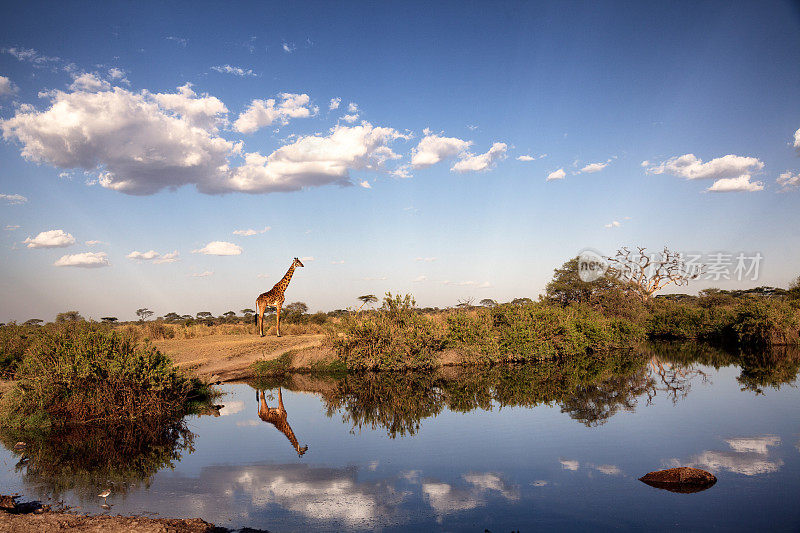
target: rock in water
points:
(683, 479)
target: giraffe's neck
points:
(284, 282)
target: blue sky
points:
(641, 108)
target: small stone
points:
(683, 479)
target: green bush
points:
(80, 372)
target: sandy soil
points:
(230, 357)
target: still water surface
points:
(552, 446)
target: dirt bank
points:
(230, 357)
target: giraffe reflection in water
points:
(277, 417)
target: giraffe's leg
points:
(280, 400)
(278, 320)
(260, 317)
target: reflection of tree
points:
(594, 404)
(87, 458)
(675, 379)
(399, 401)
(769, 368)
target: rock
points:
(683, 479)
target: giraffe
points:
(274, 297)
(277, 417)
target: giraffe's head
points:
(297, 263)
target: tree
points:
(143, 314)
(229, 316)
(204, 315)
(109, 319)
(465, 303)
(297, 307)
(247, 312)
(567, 286)
(649, 273)
(488, 302)
(521, 301)
(172, 317)
(33, 322)
(366, 299)
(69, 316)
(794, 288)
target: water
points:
(553, 446)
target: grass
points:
(286, 363)
(82, 372)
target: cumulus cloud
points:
(262, 113)
(446, 499)
(13, 199)
(316, 160)
(740, 184)
(334, 104)
(84, 260)
(481, 162)
(94, 243)
(365, 184)
(12, 227)
(788, 181)
(89, 82)
(236, 71)
(350, 118)
(797, 141)
(730, 172)
(433, 148)
(154, 256)
(7, 88)
(525, 158)
(250, 232)
(134, 144)
(569, 464)
(288, 47)
(594, 167)
(117, 74)
(219, 248)
(556, 175)
(141, 143)
(613, 224)
(402, 172)
(55, 238)
(748, 456)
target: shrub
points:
(83, 372)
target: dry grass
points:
(156, 330)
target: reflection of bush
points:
(87, 458)
(398, 401)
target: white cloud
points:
(613, 224)
(525, 158)
(379, 278)
(206, 112)
(468, 283)
(231, 408)
(334, 103)
(740, 184)
(481, 162)
(203, 274)
(731, 172)
(262, 113)
(94, 243)
(350, 118)
(402, 172)
(140, 143)
(754, 444)
(30, 55)
(249, 232)
(789, 181)
(179, 40)
(118, 74)
(13, 199)
(609, 470)
(12, 227)
(7, 88)
(426, 259)
(365, 184)
(316, 160)
(89, 82)
(236, 71)
(219, 248)
(797, 141)
(288, 47)
(569, 464)
(84, 260)
(133, 143)
(154, 256)
(433, 148)
(472, 127)
(594, 167)
(556, 175)
(352, 107)
(54, 238)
